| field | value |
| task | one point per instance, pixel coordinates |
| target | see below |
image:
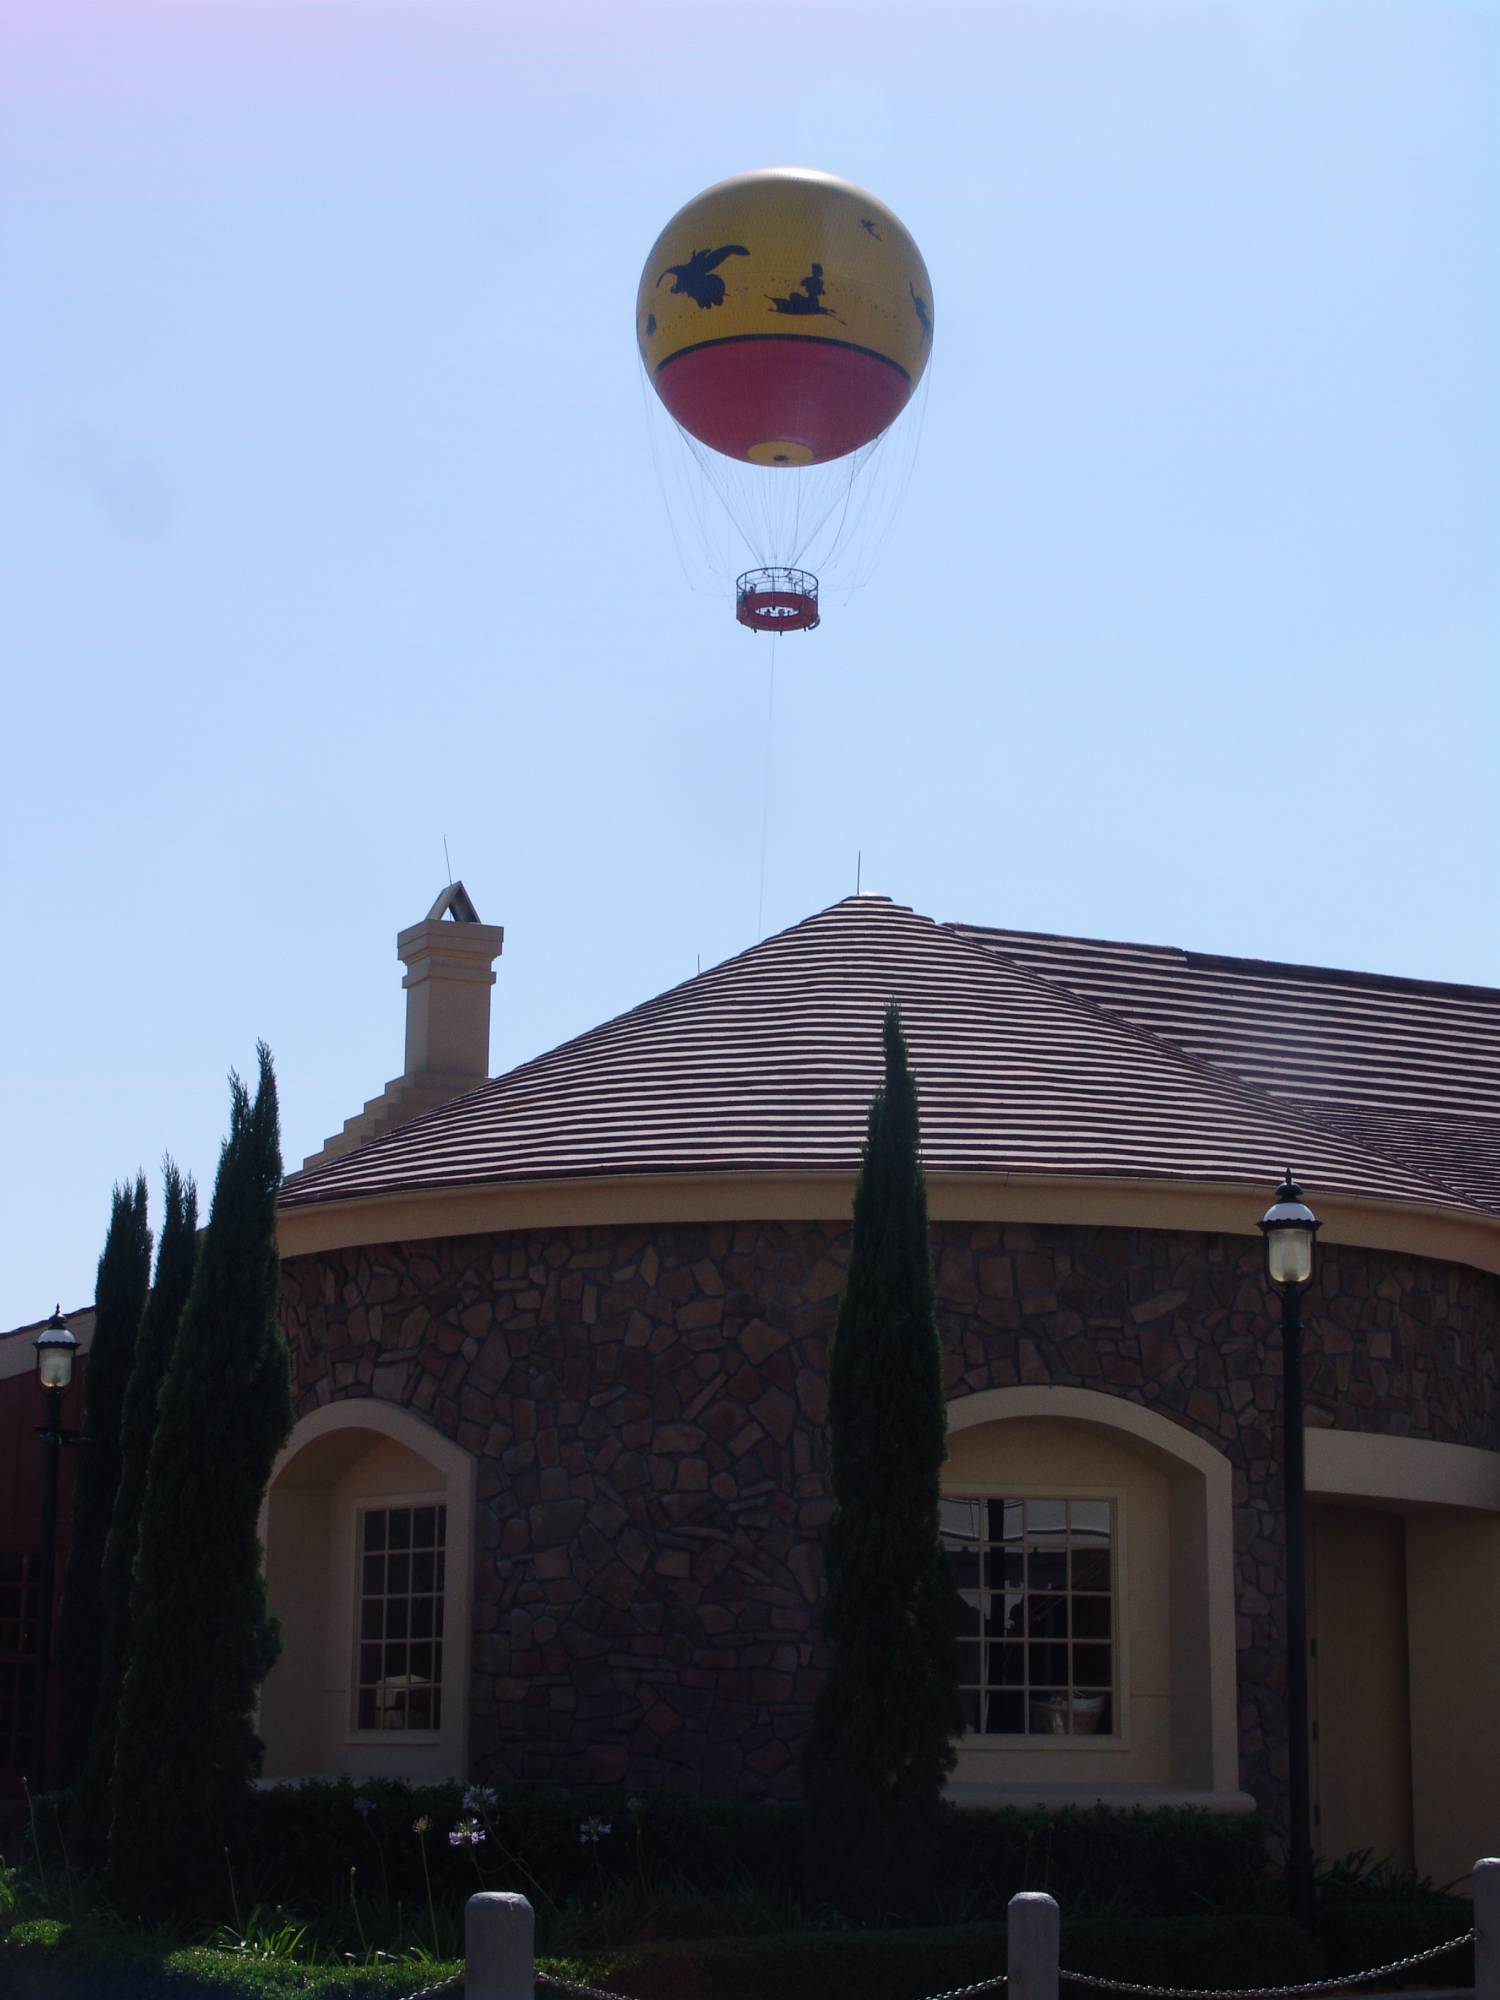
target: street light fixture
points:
(56, 1352)
(1290, 1227)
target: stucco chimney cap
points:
(454, 902)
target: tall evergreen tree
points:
(175, 1256)
(202, 1641)
(119, 1294)
(881, 1742)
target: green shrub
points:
(1357, 1935)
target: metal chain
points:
(1082, 1979)
(572, 1986)
(1272, 1992)
(958, 1992)
(443, 1986)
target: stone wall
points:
(648, 1408)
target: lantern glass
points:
(1289, 1254)
(55, 1349)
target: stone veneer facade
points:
(648, 1405)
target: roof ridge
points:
(1202, 1067)
(1258, 967)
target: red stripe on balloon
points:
(823, 394)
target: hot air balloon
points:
(784, 319)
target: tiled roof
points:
(1408, 1068)
(769, 1061)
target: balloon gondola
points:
(784, 319)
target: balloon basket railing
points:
(777, 600)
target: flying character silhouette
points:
(805, 301)
(868, 226)
(696, 278)
(922, 312)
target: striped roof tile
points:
(769, 1061)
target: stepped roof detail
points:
(1034, 1056)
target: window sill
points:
(1054, 1797)
(394, 1737)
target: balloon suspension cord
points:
(765, 800)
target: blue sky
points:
(332, 526)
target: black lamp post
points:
(56, 1351)
(1290, 1227)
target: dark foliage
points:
(1162, 1861)
(119, 1295)
(175, 1257)
(1357, 1935)
(299, 1842)
(202, 1640)
(892, 1965)
(881, 1742)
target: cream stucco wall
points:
(1453, 1637)
(342, 1457)
(1175, 1594)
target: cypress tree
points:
(119, 1294)
(881, 1742)
(202, 1641)
(176, 1252)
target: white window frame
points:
(1062, 1746)
(383, 1503)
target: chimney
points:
(449, 959)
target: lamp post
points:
(56, 1351)
(1290, 1226)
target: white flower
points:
(481, 1798)
(592, 1831)
(468, 1833)
(422, 1825)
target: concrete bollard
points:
(1486, 1883)
(499, 1936)
(1032, 1935)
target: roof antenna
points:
(859, 868)
(446, 862)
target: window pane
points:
(422, 1662)
(1089, 1520)
(421, 1618)
(1047, 1666)
(1007, 1616)
(1047, 1569)
(374, 1575)
(968, 1663)
(396, 1613)
(375, 1530)
(1005, 1520)
(1091, 1569)
(1090, 1617)
(1047, 1617)
(370, 1618)
(968, 1615)
(366, 1710)
(1005, 1569)
(423, 1571)
(397, 1574)
(964, 1564)
(398, 1527)
(1046, 1517)
(969, 1702)
(1007, 1666)
(1007, 1715)
(423, 1527)
(960, 1518)
(1091, 1666)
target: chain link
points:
(1308, 1986)
(572, 1986)
(451, 1985)
(1272, 1992)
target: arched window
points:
(368, 1528)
